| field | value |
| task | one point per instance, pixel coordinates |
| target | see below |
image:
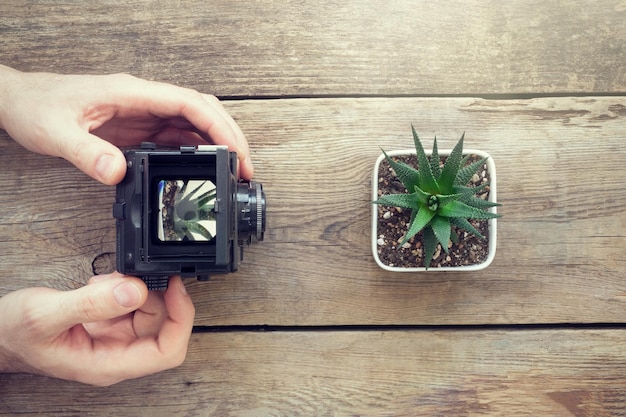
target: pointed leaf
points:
(479, 202)
(462, 189)
(451, 168)
(427, 181)
(467, 172)
(399, 200)
(207, 197)
(459, 209)
(413, 214)
(461, 195)
(407, 175)
(441, 228)
(466, 225)
(421, 195)
(454, 237)
(430, 245)
(434, 160)
(422, 218)
(198, 228)
(206, 215)
(195, 190)
(183, 188)
(465, 159)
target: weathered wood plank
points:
(395, 373)
(332, 47)
(561, 241)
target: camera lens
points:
(250, 211)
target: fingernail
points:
(104, 166)
(127, 294)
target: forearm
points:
(4, 357)
(7, 365)
(8, 79)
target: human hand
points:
(105, 332)
(82, 117)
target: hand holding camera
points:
(132, 331)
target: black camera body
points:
(183, 212)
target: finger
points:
(174, 335)
(208, 115)
(101, 300)
(94, 156)
(242, 148)
(102, 277)
(149, 318)
(172, 136)
(205, 112)
(168, 349)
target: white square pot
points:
(492, 223)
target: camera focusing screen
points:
(186, 210)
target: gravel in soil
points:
(393, 223)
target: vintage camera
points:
(183, 212)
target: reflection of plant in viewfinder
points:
(192, 208)
(439, 197)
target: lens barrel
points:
(250, 211)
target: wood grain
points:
(561, 245)
(348, 47)
(392, 373)
(562, 248)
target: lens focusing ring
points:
(251, 210)
(260, 211)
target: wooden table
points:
(310, 326)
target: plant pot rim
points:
(492, 222)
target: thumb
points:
(94, 156)
(101, 300)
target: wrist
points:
(10, 360)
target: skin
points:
(84, 118)
(113, 328)
(108, 331)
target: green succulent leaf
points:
(198, 228)
(454, 236)
(459, 209)
(434, 160)
(462, 188)
(465, 159)
(466, 173)
(427, 181)
(207, 198)
(464, 224)
(468, 196)
(451, 168)
(441, 228)
(478, 202)
(408, 175)
(459, 196)
(421, 219)
(206, 214)
(195, 190)
(399, 200)
(422, 196)
(430, 245)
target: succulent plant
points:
(189, 209)
(440, 198)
